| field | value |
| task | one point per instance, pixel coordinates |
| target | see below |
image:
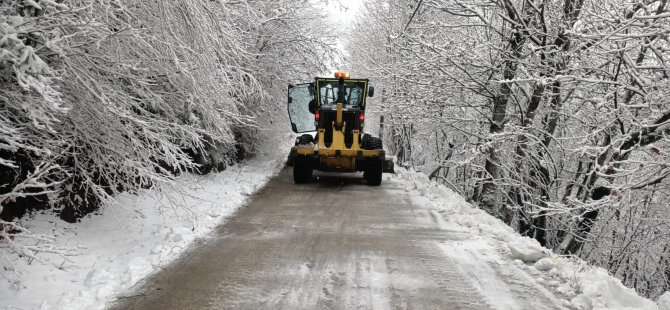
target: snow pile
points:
(129, 240)
(664, 301)
(587, 287)
(527, 249)
(598, 289)
(602, 291)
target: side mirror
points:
(371, 91)
(312, 106)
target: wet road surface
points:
(335, 243)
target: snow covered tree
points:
(102, 97)
(552, 116)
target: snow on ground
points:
(129, 240)
(141, 233)
(538, 269)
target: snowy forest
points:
(103, 97)
(553, 116)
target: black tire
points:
(376, 143)
(302, 169)
(291, 156)
(373, 173)
(364, 141)
(371, 143)
(304, 139)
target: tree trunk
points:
(489, 195)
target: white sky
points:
(343, 10)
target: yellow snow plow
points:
(334, 108)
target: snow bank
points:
(129, 240)
(601, 291)
(664, 301)
(598, 289)
(527, 249)
(588, 287)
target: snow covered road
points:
(338, 243)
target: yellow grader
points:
(335, 109)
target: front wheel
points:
(302, 169)
(373, 173)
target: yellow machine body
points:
(337, 157)
(335, 109)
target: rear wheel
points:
(364, 141)
(302, 169)
(369, 142)
(375, 143)
(289, 160)
(373, 173)
(304, 139)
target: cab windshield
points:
(353, 93)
